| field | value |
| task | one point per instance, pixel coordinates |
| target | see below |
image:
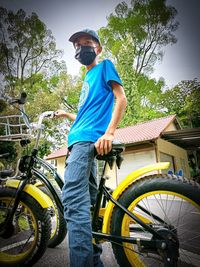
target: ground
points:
(56, 257)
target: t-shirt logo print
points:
(84, 94)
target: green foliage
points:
(29, 61)
(27, 48)
(147, 25)
(183, 100)
(144, 101)
(133, 39)
(12, 149)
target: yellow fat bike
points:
(151, 220)
(30, 219)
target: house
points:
(144, 145)
(57, 159)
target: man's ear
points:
(99, 50)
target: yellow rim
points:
(133, 257)
(7, 258)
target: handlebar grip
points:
(22, 99)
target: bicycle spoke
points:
(27, 242)
(165, 205)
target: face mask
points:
(85, 55)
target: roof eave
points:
(150, 141)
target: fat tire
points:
(42, 217)
(61, 230)
(185, 187)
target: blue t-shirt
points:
(95, 104)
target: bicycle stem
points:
(38, 138)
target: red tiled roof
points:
(145, 131)
(141, 132)
(62, 152)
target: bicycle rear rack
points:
(13, 128)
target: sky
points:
(63, 17)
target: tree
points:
(29, 61)
(27, 48)
(133, 39)
(147, 26)
(183, 100)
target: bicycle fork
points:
(26, 163)
(7, 228)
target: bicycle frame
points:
(157, 242)
(52, 170)
(103, 192)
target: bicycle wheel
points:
(58, 224)
(32, 229)
(176, 202)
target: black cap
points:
(89, 32)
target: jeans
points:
(77, 198)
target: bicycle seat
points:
(6, 173)
(117, 149)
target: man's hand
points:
(104, 144)
(63, 114)
(60, 113)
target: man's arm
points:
(104, 143)
(63, 114)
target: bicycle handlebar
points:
(21, 100)
(46, 114)
(34, 126)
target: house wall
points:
(59, 165)
(138, 156)
(179, 154)
(171, 127)
(133, 160)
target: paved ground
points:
(57, 257)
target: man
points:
(94, 127)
